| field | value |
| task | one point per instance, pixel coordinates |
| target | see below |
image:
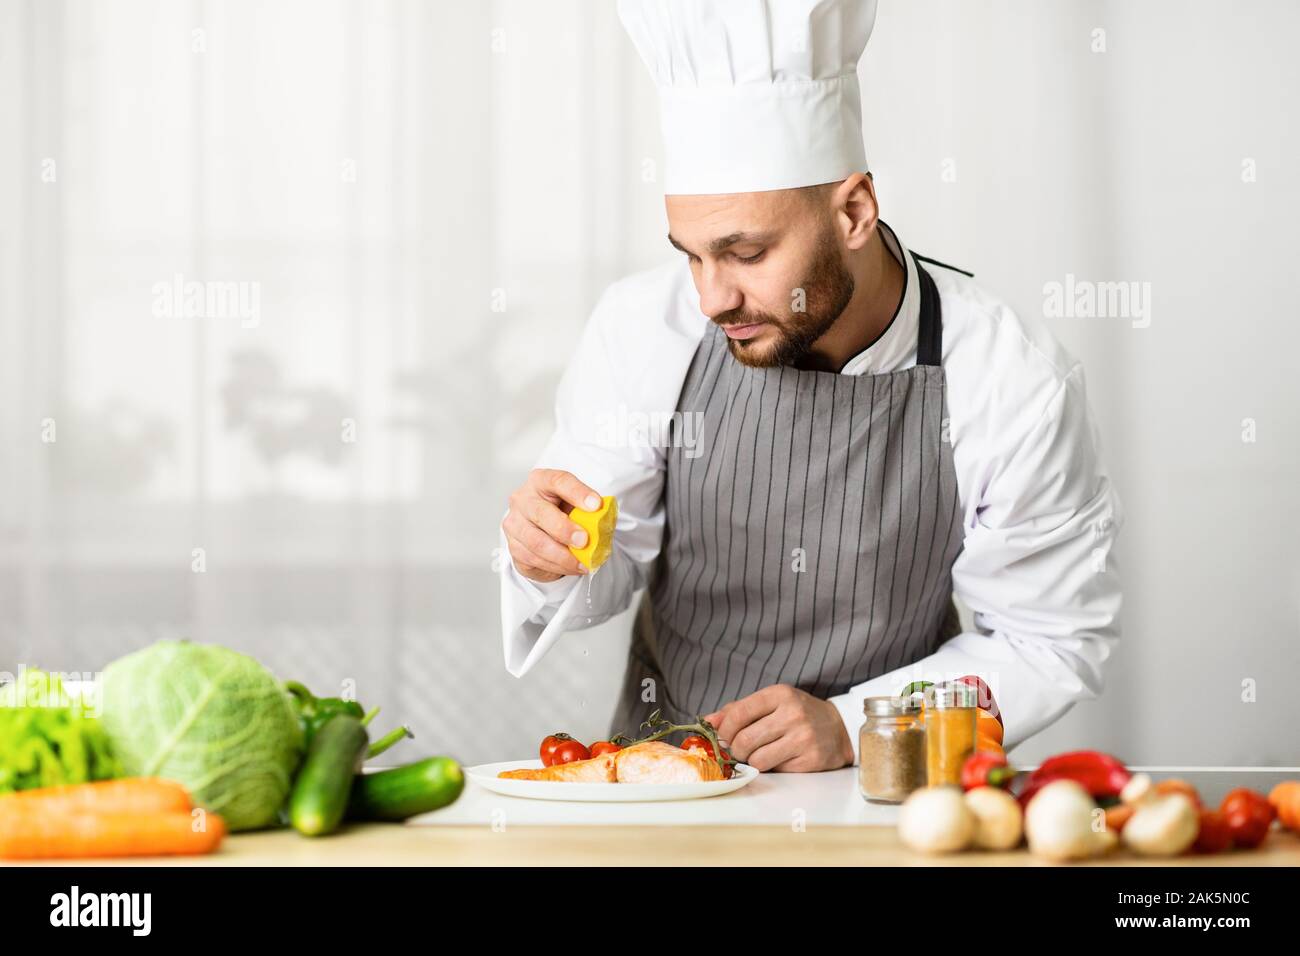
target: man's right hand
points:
(538, 529)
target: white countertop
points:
(774, 799)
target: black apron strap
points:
(929, 338)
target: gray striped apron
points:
(809, 542)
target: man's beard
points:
(827, 292)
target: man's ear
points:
(854, 208)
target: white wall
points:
(388, 172)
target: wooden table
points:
(778, 820)
(379, 845)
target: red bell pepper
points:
(985, 698)
(986, 769)
(1100, 774)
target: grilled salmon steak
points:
(596, 770)
(658, 762)
(651, 762)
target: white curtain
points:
(388, 221)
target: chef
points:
(816, 436)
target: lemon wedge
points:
(599, 525)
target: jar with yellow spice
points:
(950, 715)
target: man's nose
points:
(718, 294)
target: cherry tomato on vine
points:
(568, 751)
(548, 748)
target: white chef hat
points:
(755, 94)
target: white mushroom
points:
(1059, 823)
(1139, 789)
(998, 819)
(936, 820)
(1164, 826)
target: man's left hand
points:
(785, 729)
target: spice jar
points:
(950, 711)
(891, 748)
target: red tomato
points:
(1248, 815)
(604, 747)
(549, 745)
(568, 751)
(1215, 835)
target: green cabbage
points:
(209, 718)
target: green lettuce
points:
(210, 718)
(46, 738)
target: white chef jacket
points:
(1039, 512)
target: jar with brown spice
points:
(891, 749)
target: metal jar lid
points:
(890, 706)
(950, 696)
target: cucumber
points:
(406, 791)
(320, 794)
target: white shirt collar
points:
(896, 346)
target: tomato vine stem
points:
(660, 727)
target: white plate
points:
(485, 775)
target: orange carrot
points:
(1117, 816)
(42, 836)
(131, 795)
